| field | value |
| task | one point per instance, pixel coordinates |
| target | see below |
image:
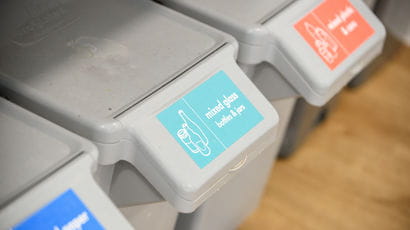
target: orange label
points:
(334, 30)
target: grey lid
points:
(244, 11)
(30, 148)
(98, 57)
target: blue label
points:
(210, 118)
(66, 212)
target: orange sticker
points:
(334, 30)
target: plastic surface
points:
(169, 174)
(30, 149)
(153, 216)
(43, 167)
(308, 73)
(241, 196)
(106, 72)
(242, 11)
(88, 64)
(210, 118)
(64, 212)
(270, 82)
(102, 47)
(54, 185)
(277, 41)
(305, 118)
(127, 181)
(81, 75)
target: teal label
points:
(210, 118)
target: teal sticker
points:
(210, 118)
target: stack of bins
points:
(46, 177)
(160, 95)
(306, 117)
(290, 49)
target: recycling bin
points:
(47, 177)
(306, 117)
(290, 49)
(151, 88)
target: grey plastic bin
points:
(47, 177)
(289, 49)
(122, 74)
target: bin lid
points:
(98, 57)
(30, 149)
(243, 11)
(89, 64)
(317, 46)
(242, 19)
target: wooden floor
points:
(353, 171)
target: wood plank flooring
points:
(353, 171)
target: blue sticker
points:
(66, 212)
(210, 118)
